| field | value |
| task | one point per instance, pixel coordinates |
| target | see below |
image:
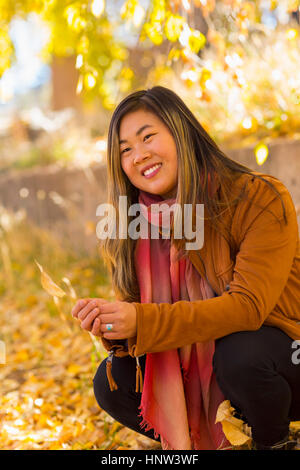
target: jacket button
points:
(227, 287)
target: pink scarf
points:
(180, 394)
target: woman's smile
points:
(152, 170)
(148, 153)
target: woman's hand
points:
(96, 314)
(122, 317)
(86, 310)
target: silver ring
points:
(109, 326)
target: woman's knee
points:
(238, 356)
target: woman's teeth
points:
(150, 170)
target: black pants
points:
(254, 370)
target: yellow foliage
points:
(295, 426)
(173, 27)
(73, 369)
(7, 49)
(261, 153)
(196, 41)
(233, 428)
(154, 32)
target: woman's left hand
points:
(121, 315)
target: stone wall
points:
(64, 201)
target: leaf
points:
(295, 426)
(233, 428)
(173, 27)
(73, 369)
(49, 285)
(153, 31)
(261, 153)
(196, 41)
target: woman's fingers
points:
(110, 307)
(108, 319)
(87, 323)
(78, 306)
(98, 314)
(84, 306)
(96, 328)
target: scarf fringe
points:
(147, 424)
(195, 440)
(150, 427)
(184, 373)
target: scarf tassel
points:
(112, 384)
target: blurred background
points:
(64, 66)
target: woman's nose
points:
(141, 155)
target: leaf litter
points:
(47, 400)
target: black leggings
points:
(254, 370)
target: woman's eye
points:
(148, 135)
(127, 149)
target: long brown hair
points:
(199, 158)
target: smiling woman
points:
(148, 154)
(207, 324)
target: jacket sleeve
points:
(119, 348)
(267, 247)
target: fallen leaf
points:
(295, 426)
(233, 428)
(73, 369)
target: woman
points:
(207, 324)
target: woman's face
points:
(148, 153)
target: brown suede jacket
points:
(261, 286)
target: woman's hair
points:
(199, 160)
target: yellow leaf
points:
(196, 41)
(49, 285)
(154, 33)
(73, 369)
(261, 153)
(295, 425)
(224, 411)
(55, 447)
(22, 356)
(31, 300)
(77, 446)
(77, 429)
(233, 428)
(88, 445)
(234, 435)
(42, 420)
(90, 426)
(173, 27)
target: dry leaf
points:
(233, 428)
(295, 426)
(49, 285)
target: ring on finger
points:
(109, 326)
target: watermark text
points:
(153, 223)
